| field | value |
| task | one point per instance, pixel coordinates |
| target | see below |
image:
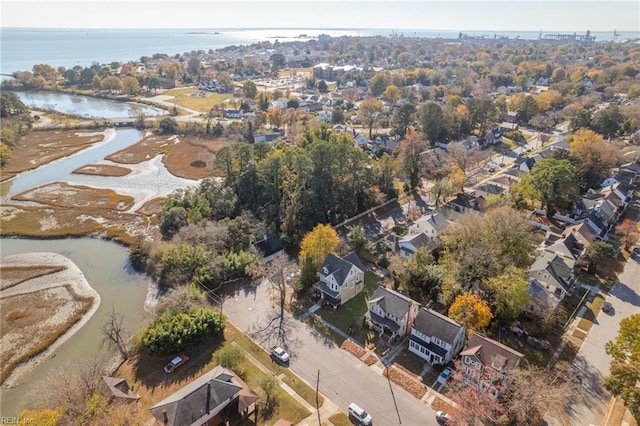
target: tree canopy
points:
(625, 365)
(318, 243)
(471, 312)
(555, 182)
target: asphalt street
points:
(343, 378)
(592, 362)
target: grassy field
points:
(191, 98)
(15, 274)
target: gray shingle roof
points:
(491, 353)
(432, 324)
(392, 302)
(339, 268)
(189, 403)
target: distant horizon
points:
(410, 15)
(394, 29)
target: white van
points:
(359, 414)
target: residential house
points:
(582, 232)
(508, 127)
(631, 170)
(493, 137)
(409, 244)
(431, 224)
(391, 313)
(511, 117)
(524, 163)
(435, 338)
(487, 364)
(467, 201)
(361, 140)
(341, 279)
(269, 248)
(552, 272)
(215, 397)
(267, 137)
(325, 116)
(488, 188)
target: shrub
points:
(178, 329)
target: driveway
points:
(343, 378)
(592, 361)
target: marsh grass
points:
(35, 333)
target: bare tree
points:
(73, 388)
(112, 333)
(278, 273)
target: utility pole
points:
(317, 398)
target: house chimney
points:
(165, 416)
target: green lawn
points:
(301, 388)
(340, 419)
(593, 308)
(187, 97)
(509, 143)
(288, 407)
(350, 316)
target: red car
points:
(175, 363)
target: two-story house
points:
(435, 338)
(341, 279)
(391, 313)
(487, 364)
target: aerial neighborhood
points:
(334, 217)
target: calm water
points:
(60, 170)
(87, 106)
(106, 267)
(22, 48)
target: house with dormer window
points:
(391, 313)
(435, 338)
(487, 364)
(341, 279)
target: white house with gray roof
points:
(435, 338)
(341, 279)
(391, 313)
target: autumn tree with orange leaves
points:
(471, 311)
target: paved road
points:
(592, 361)
(343, 378)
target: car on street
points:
(443, 418)
(359, 414)
(280, 354)
(175, 363)
(538, 343)
(607, 308)
(444, 376)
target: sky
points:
(500, 15)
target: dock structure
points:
(586, 38)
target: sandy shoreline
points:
(71, 275)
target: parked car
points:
(443, 417)
(280, 354)
(607, 307)
(517, 331)
(362, 417)
(538, 343)
(444, 376)
(175, 363)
